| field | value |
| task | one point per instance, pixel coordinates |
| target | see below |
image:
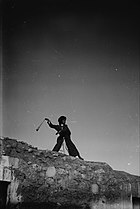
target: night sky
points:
(76, 59)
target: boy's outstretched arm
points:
(56, 127)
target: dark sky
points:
(76, 59)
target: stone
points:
(100, 171)
(95, 188)
(61, 171)
(51, 171)
(30, 150)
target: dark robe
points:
(64, 134)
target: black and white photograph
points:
(69, 136)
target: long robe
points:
(64, 134)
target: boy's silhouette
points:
(64, 134)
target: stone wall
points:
(49, 178)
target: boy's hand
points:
(48, 121)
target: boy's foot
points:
(80, 158)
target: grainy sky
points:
(76, 59)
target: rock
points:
(51, 171)
(49, 178)
(30, 150)
(95, 188)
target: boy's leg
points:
(72, 149)
(58, 144)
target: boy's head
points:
(62, 120)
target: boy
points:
(64, 134)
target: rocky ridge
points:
(47, 177)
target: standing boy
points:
(64, 134)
